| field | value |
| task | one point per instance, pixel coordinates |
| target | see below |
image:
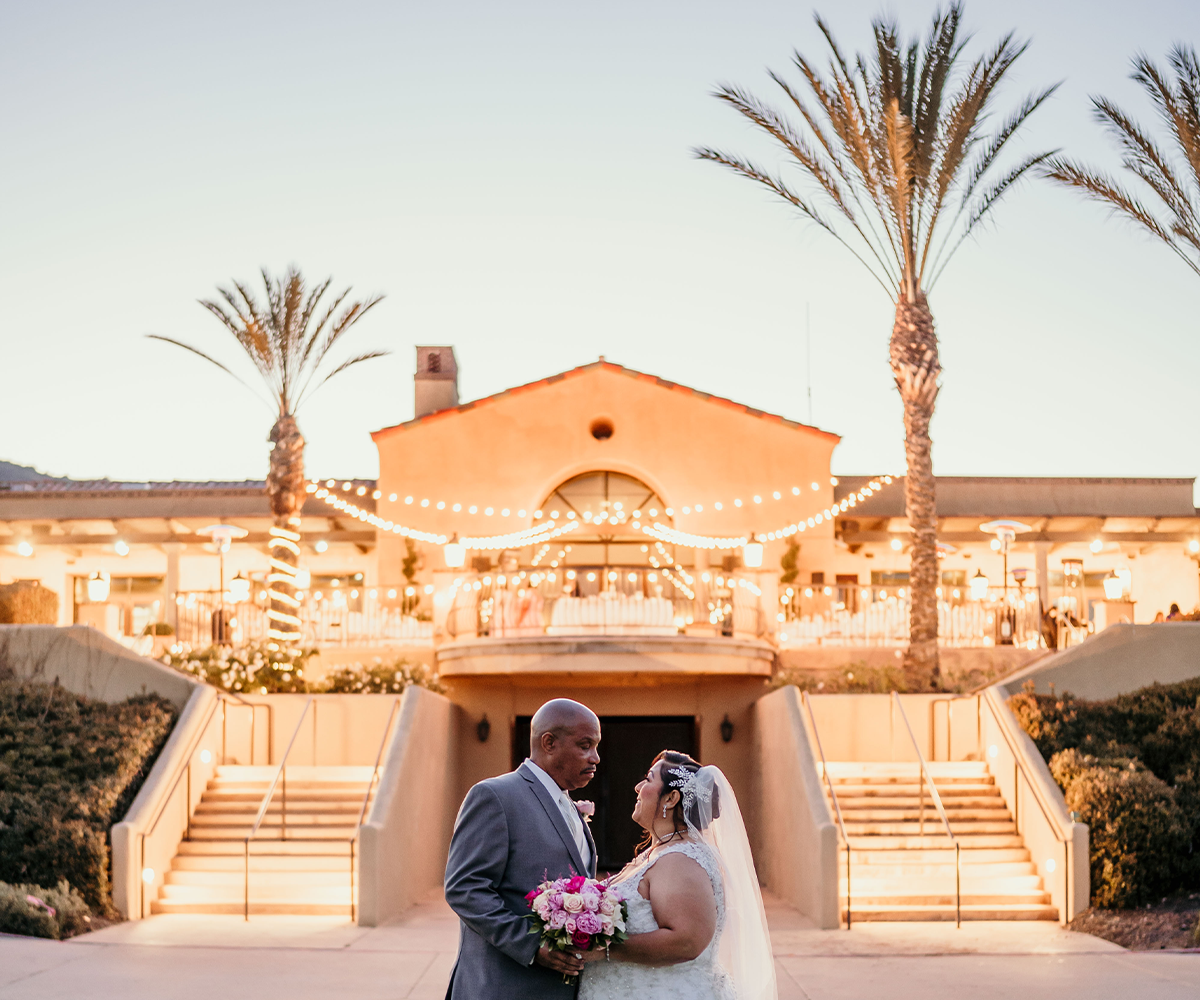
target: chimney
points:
(436, 380)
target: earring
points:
(664, 812)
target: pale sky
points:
(516, 178)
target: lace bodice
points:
(700, 979)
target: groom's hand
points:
(561, 961)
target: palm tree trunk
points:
(285, 488)
(915, 366)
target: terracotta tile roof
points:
(617, 369)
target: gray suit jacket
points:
(509, 836)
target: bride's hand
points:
(595, 955)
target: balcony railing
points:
(327, 622)
(483, 608)
(885, 623)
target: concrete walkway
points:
(298, 958)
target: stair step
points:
(255, 796)
(322, 817)
(258, 877)
(236, 908)
(322, 772)
(262, 863)
(322, 894)
(886, 813)
(987, 911)
(1022, 886)
(295, 831)
(264, 848)
(906, 869)
(933, 828)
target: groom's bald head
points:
(563, 740)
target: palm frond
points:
(1175, 185)
(279, 337)
(306, 394)
(211, 360)
(887, 139)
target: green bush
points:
(27, 602)
(69, 769)
(380, 678)
(1157, 730)
(1137, 832)
(50, 913)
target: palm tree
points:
(1173, 186)
(897, 152)
(288, 348)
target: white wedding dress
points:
(700, 979)
(737, 964)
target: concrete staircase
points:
(306, 873)
(898, 874)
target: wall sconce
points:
(239, 589)
(1114, 587)
(484, 729)
(979, 586)
(752, 553)
(726, 729)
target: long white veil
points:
(745, 946)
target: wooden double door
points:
(628, 744)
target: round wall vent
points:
(602, 428)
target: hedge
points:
(27, 602)
(50, 913)
(70, 768)
(1130, 766)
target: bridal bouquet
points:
(577, 914)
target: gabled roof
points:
(603, 365)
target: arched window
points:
(607, 504)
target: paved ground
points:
(298, 958)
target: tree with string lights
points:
(288, 339)
(901, 163)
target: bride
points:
(697, 930)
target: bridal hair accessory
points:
(685, 781)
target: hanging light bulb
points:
(239, 589)
(979, 586)
(97, 588)
(752, 553)
(455, 553)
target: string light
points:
(282, 572)
(544, 532)
(757, 498)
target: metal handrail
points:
(937, 801)
(1037, 797)
(833, 795)
(162, 807)
(366, 801)
(226, 695)
(266, 802)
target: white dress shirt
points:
(569, 812)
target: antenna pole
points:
(808, 357)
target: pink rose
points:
(571, 926)
(606, 925)
(572, 902)
(608, 906)
(589, 923)
(585, 809)
(576, 883)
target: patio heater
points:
(1006, 533)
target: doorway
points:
(628, 744)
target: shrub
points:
(158, 628)
(256, 668)
(380, 678)
(27, 602)
(854, 678)
(69, 769)
(1137, 831)
(50, 913)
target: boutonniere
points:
(585, 809)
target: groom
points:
(512, 833)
